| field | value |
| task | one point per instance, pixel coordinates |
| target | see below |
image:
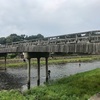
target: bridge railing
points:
(91, 36)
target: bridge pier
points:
(5, 62)
(5, 56)
(38, 71)
(37, 55)
(29, 73)
(46, 58)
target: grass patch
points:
(75, 87)
(55, 60)
(11, 95)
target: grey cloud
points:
(48, 17)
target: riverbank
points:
(55, 60)
(75, 87)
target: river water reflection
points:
(16, 78)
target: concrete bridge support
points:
(5, 62)
(37, 55)
(38, 72)
(29, 73)
(46, 58)
(5, 56)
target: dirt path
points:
(95, 97)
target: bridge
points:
(83, 42)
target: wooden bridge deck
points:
(89, 48)
(84, 42)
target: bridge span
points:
(84, 42)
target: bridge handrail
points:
(88, 36)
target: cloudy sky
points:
(48, 17)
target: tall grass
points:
(75, 87)
(55, 60)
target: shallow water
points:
(16, 78)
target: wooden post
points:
(46, 69)
(5, 63)
(29, 74)
(38, 80)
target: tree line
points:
(15, 38)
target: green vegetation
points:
(15, 38)
(76, 87)
(11, 95)
(55, 60)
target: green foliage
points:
(76, 87)
(12, 38)
(2, 40)
(15, 38)
(38, 36)
(11, 95)
(55, 60)
(13, 55)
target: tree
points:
(15, 38)
(2, 40)
(12, 38)
(22, 37)
(39, 36)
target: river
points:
(16, 78)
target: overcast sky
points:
(48, 17)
